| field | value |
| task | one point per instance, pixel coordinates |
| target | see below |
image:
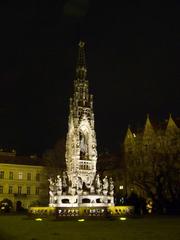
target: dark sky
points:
(131, 53)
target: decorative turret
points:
(148, 129)
(149, 133)
(172, 134)
(171, 128)
(129, 140)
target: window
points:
(1, 189)
(37, 177)
(20, 175)
(145, 147)
(1, 174)
(10, 189)
(11, 175)
(19, 190)
(29, 176)
(28, 190)
(86, 200)
(37, 191)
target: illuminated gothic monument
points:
(80, 185)
(81, 154)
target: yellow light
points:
(122, 218)
(38, 219)
(81, 220)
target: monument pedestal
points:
(83, 201)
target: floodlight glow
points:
(81, 220)
(38, 219)
(122, 218)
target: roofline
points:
(22, 165)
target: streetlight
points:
(121, 187)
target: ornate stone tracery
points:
(81, 154)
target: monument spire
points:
(81, 69)
(171, 126)
(149, 135)
(81, 153)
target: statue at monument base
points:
(98, 195)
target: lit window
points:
(11, 175)
(37, 191)
(1, 189)
(20, 175)
(37, 177)
(28, 190)
(10, 189)
(29, 176)
(1, 174)
(19, 190)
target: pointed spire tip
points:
(81, 44)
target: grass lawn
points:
(149, 228)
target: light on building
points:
(121, 187)
(123, 218)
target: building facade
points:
(152, 159)
(22, 180)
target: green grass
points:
(149, 228)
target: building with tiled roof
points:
(23, 179)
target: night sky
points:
(131, 53)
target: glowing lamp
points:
(38, 219)
(81, 220)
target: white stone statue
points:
(83, 138)
(98, 184)
(64, 180)
(105, 185)
(111, 187)
(88, 182)
(74, 180)
(51, 198)
(59, 185)
(73, 191)
(83, 145)
(79, 183)
(98, 181)
(92, 189)
(69, 190)
(52, 191)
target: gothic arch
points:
(85, 139)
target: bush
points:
(6, 205)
